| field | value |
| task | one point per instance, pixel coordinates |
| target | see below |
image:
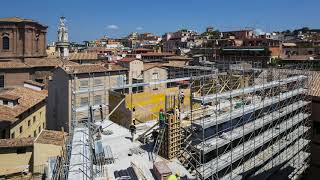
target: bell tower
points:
(62, 45)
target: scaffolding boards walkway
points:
(227, 137)
(213, 121)
(228, 158)
(238, 92)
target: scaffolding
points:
(248, 122)
(243, 121)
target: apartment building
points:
(74, 88)
(22, 112)
(22, 157)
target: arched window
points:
(5, 43)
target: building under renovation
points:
(244, 122)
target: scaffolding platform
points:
(225, 117)
(233, 93)
(216, 142)
(236, 153)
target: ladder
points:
(158, 143)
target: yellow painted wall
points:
(148, 104)
(10, 159)
(27, 131)
(42, 152)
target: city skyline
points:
(92, 20)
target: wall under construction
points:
(146, 104)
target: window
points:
(3, 134)
(21, 150)
(98, 82)
(155, 76)
(84, 101)
(1, 80)
(37, 42)
(34, 118)
(34, 133)
(5, 43)
(29, 123)
(21, 129)
(43, 126)
(5, 102)
(97, 100)
(84, 84)
(12, 135)
(40, 114)
(39, 129)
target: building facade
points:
(75, 88)
(23, 112)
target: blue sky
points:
(90, 19)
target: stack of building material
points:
(161, 170)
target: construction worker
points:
(154, 136)
(132, 130)
(161, 118)
(181, 96)
(174, 176)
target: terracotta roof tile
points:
(51, 137)
(84, 68)
(83, 56)
(43, 62)
(157, 54)
(13, 65)
(127, 59)
(8, 96)
(28, 98)
(18, 20)
(17, 142)
(15, 19)
(45, 137)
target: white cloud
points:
(112, 26)
(139, 28)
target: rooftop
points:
(121, 146)
(177, 58)
(45, 137)
(17, 142)
(34, 62)
(156, 54)
(18, 20)
(83, 56)
(34, 83)
(12, 65)
(27, 99)
(128, 59)
(84, 68)
(51, 137)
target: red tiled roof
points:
(13, 65)
(18, 20)
(84, 68)
(27, 99)
(17, 142)
(83, 56)
(157, 54)
(127, 59)
(51, 137)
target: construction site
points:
(221, 121)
